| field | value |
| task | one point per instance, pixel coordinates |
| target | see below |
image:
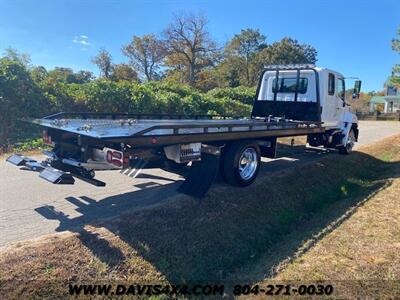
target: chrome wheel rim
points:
(248, 163)
(351, 140)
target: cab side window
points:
(341, 92)
(331, 84)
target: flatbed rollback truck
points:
(291, 100)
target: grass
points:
(267, 230)
(361, 256)
(386, 156)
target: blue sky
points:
(351, 36)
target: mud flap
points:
(56, 176)
(202, 174)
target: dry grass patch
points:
(361, 256)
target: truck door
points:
(340, 99)
(333, 103)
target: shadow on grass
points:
(232, 229)
(150, 193)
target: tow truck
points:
(291, 100)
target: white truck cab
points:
(309, 93)
(335, 111)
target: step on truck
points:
(291, 100)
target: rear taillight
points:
(109, 156)
(117, 163)
(117, 155)
(117, 158)
(126, 160)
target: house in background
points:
(389, 103)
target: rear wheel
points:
(241, 163)
(348, 147)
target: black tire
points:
(231, 164)
(348, 147)
(314, 140)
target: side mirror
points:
(357, 89)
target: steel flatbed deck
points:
(137, 130)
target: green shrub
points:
(242, 94)
(20, 97)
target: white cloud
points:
(82, 40)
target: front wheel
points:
(348, 147)
(241, 163)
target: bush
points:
(242, 94)
(20, 97)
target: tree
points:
(13, 55)
(189, 45)
(82, 76)
(67, 75)
(124, 72)
(60, 74)
(229, 73)
(245, 46)
(145, 54)
(396, 68)
(39, 73)
(103, 60)
(288, 51)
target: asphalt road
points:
(31, 207)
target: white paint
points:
(336, 113)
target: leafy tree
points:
(124, 72)
(190, 47)
(82, 77)
(103, 60)
(13, 55)
(229, 73)
(145, 54)
(39, 74)
(61, 74)
(244, 47)
(288, 51)
(66, 75)
(396, 68)
(206, 80)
